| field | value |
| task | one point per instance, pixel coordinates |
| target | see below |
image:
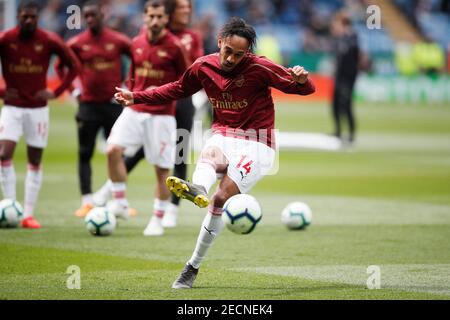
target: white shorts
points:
(157, 133)
(248, 161)
(31, 122)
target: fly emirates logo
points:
(99, 64)
(25, 66)
(147, 71)
(228, 103)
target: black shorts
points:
(105, 113)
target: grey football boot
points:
(186, 190)
(186, 278)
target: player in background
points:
(237, 83)
(179, 19)
(99, 50)
(25, 53)
(158, 58)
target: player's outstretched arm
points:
(124, 97)
(293, 80)
(299, 74)
(186, 86)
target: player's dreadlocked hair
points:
(238, 27)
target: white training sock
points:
(33, 183)
(211, 227)
(172, 208)
(205, 174)
(160, 207)
(8, 179)
(105, 189)
(87, 199)
(102, 195)
(119, 190)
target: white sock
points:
(87, 199)
(33, 183)
(211, 227)
(159, 208)
(8, 179)
(205, 174)
(119, 190)
(105, 188)
(172, 208)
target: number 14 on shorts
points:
(245, 163)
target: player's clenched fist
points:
(299, 74)
(124, 97)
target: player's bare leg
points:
(118, 176)
(7, 172)
(162, 195)
(211, 162)
(33, 182)
(211, 227)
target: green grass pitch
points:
(385, 202)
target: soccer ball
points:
(100, 222)
(296, 215)
(241, 213)
(11, 213)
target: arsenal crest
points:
(162, 53)
(38, 47)
(239, 81)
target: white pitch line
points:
(364, 141)
(351, 211)
(430, 278)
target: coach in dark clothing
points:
(347, 57)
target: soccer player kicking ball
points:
(25, 52)
(237, 83)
